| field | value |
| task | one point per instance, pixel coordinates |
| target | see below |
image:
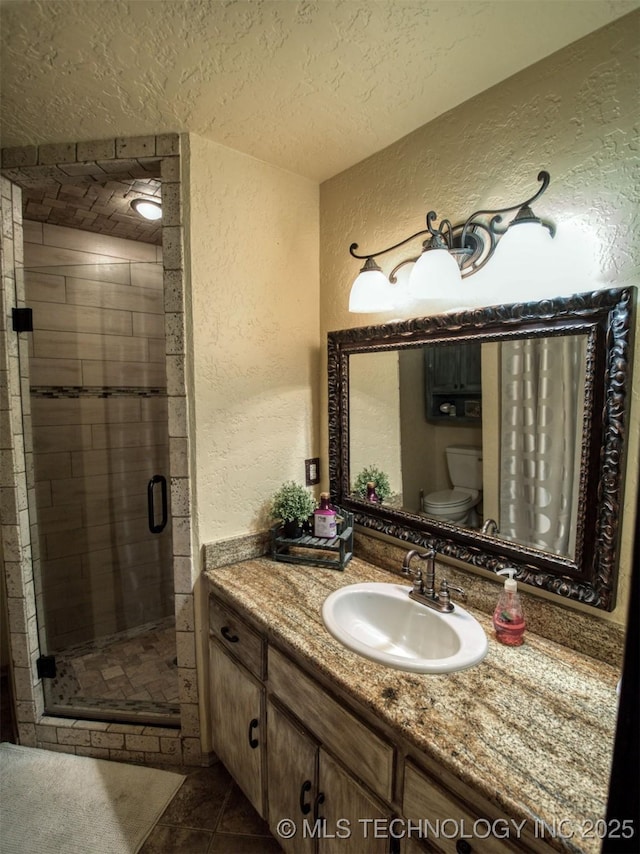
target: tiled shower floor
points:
(134, 672)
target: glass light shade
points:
(147, 209)
(523, 262)
(576, 262)
(436, 272)
(370, 292)
(524, 239)
(402, 298)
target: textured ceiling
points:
(312, 86)
(94, 201)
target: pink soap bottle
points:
(508, 617)
(324, 519)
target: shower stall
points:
(99, 425)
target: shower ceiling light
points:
(147, 208)
(450, 254)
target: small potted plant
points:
(293, 504)
(380, 480)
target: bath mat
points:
(52, 802)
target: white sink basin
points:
(381, 622)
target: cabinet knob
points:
(253, 742)
(463, 847)
(225, 631)
(305, 808)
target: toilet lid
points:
(451, 499)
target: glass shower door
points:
(100, 440)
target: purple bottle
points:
(324, 519)
(372, 495)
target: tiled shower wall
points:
(19, 543)
(99, 416)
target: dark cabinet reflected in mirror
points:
(501, 431)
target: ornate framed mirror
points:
(500, 432)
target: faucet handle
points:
(445, 595)
(418, 584)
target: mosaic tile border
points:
(76, 391)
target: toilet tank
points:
(465, 465)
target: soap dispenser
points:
(508, 617)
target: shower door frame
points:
(20, 167)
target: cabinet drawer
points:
(343, 734)
(233, 633)
(449, 820)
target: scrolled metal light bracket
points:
(472, 242)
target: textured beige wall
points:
(256, 345)
(572, 114)
(374, 415)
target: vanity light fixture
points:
(450, 254)
(147, 208)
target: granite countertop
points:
(530, 728)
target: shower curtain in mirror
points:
(542, 412)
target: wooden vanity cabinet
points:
(238, 718)
(237, 637)
(347, 806)
(300, 753)
(451, 821)
(292, 777)
(334, 726)
(305, 784)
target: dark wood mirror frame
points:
(590, 576)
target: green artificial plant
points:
(372, 474)
(292, 503)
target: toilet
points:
(458, 504)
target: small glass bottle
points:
(372, 495)
(324, 519)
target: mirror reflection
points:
(500, 431)
(476, 431)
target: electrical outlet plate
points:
(312, 471)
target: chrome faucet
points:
(490, 527)
(423, 589)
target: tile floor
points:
(210, 815)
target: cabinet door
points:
(292, 773)
(237, 719)
(349, 813)
(470, 367)
(350, 740)
(423, 798)
(443, 368)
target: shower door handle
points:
(157, 478)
